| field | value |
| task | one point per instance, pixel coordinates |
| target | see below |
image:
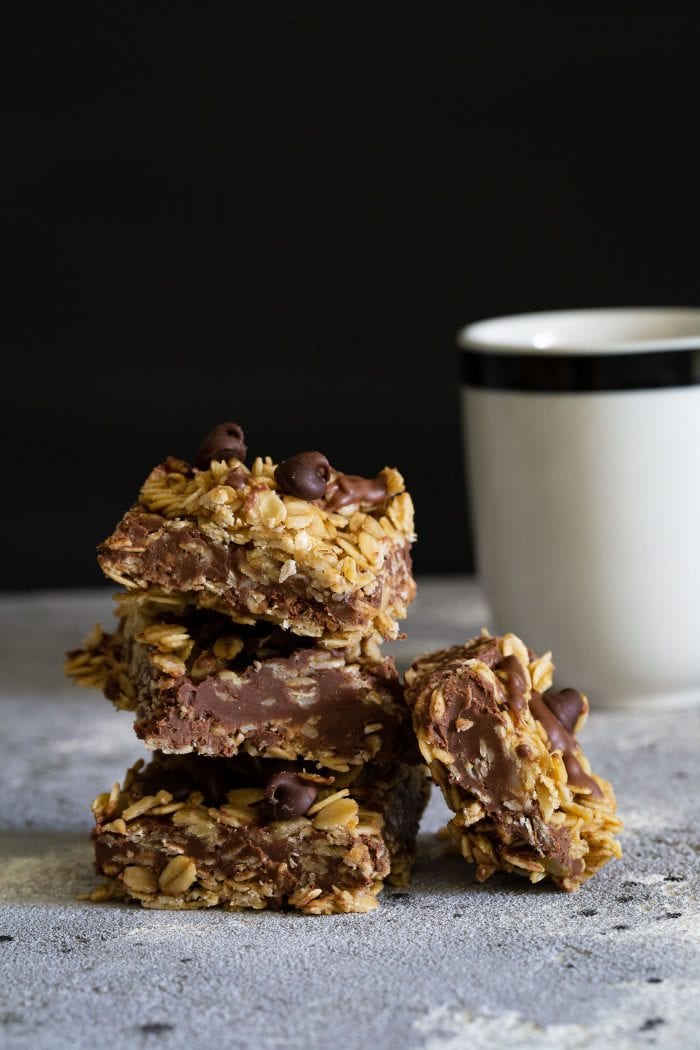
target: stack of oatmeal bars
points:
(283, 768)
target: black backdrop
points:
(279, 213)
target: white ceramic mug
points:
(582, 431)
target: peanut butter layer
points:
(198, 682)
(502, 747)
(191, 832)
(227, 537)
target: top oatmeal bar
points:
(299, 544)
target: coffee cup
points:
(582, 433)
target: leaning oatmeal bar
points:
(299, 544)
(502, 747)
(199, 683)
(191, 832)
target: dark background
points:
(280, 213)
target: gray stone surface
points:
(446, 965)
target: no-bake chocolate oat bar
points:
(299, 544)
(198, 682)
(286, 772)
(192, 832)
(502, 747)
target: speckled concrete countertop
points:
(446, 965)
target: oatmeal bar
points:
(198, 682)
(193, 832)
(299, 544)
(502, 747)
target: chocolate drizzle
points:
(515, 684)
(345, 490)
(567, 706)
(562, 740)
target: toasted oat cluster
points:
(502, 747)
(329, 561)
(199, 683)
(248, 642)
(192, 832)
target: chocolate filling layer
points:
(278, 700)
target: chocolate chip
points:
(288, 796)
(224, 442)
(306, 475)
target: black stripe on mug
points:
(580, 373)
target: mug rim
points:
(544, 333)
